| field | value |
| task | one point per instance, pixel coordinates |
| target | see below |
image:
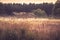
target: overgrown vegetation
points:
(40, 13)
(48, 10)
(8, 9)
(29, 29)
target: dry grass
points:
(29, 29)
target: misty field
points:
(29, 29)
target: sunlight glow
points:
(27, 1)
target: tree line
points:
(15, 7)
(8, 9)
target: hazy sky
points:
(27, 1)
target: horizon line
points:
(27, 3)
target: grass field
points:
(29, 29)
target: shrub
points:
(40, 13)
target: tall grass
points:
(29, 29)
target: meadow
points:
(29, 29)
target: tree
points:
(57, 13)
(40, 13)
(56, 10)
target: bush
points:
(40, 13)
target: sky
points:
(27, 1)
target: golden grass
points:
(40, 29)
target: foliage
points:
(40, 13)
(8, 9)
(56, 10)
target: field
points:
(29, 29)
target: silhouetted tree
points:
(56, 10)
